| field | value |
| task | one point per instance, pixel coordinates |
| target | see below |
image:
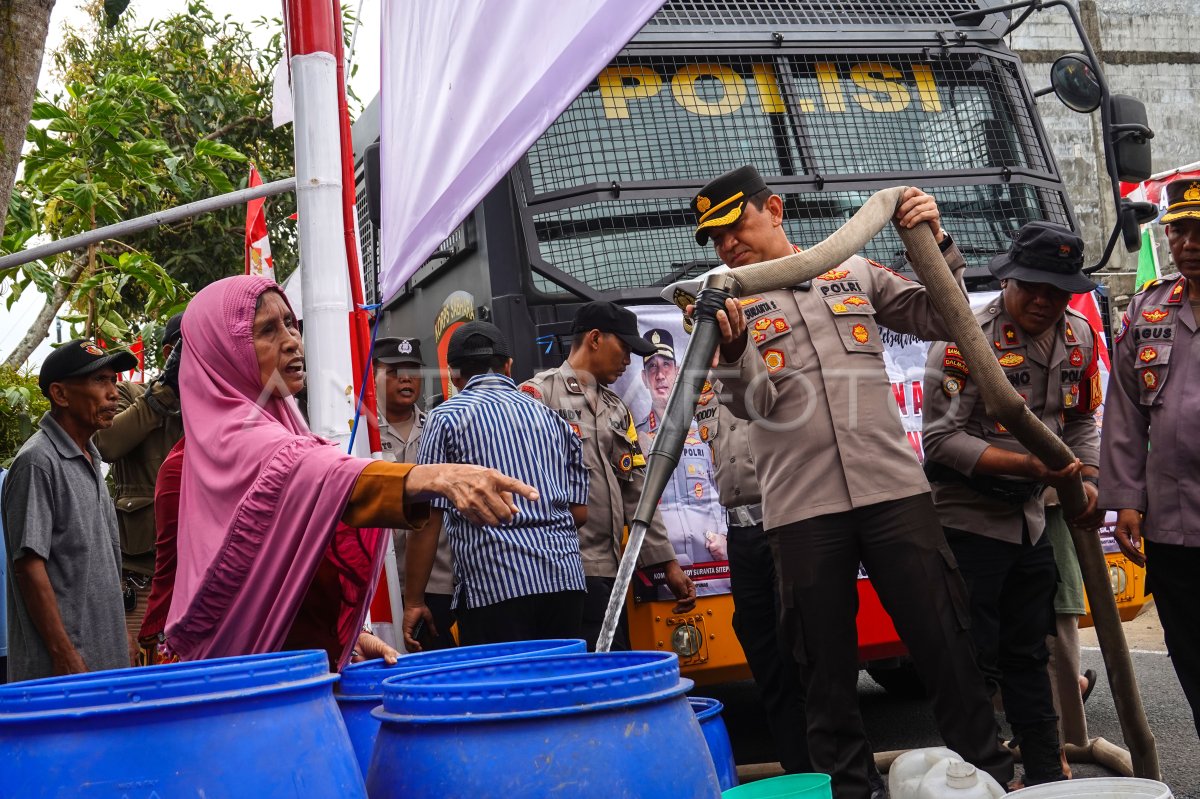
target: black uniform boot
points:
(1040, 752)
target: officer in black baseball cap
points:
(608, 317)
(80, 358)
(399, 350)
(723, 199)
(1043, 252)
(477, 340)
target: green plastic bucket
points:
(789, 786)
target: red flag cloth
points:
(258, 244)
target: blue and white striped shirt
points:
(490, 423)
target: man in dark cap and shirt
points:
(520, 580)
(147, 425)
(1149, 460)
(989, 489)
(604, 336)
(805, 366)
(65, 613)
(398, 367)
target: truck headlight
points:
(1118, 580)
(686, 640)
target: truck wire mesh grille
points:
(680, 119)
(690, 13)
(671, 123)
(631, 244)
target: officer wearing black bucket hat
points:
(989, 490)
(1043, 252)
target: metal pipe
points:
(137, 225)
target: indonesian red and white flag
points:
(258, 244)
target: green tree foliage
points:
(151, 117)
(21, 405)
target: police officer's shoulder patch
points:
(878, 265)
(1124, 328)
(531, 391)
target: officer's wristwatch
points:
(946, 243)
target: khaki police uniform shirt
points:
(616, 468)
(1149, 458)
(729, 439)
(1062, 390)
(827, 435)
(397, 449)
(136, 445)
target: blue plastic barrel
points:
(361, 687)
(255, 726)
(587, 726)
(708, 713)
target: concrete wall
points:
(1149, 49)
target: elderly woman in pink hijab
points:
(280, 541)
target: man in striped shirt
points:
(524, 579)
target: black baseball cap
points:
(172, 332)
(392, 350)
(723, 199)
(608, 317)
(476, 340)
(81, 357)
(1043, 252)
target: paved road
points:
(901, 724)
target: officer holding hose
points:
(839, 481)
(988, 489)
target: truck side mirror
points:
(1133, 216)
(1131, 136)
(1075, 83)
(372, 176)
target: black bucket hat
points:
(1043, 252)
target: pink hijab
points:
(261, 496)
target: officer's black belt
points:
(1010, 492)
(745, 515)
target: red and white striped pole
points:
(332, 285)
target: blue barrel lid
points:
(536, 685)
(365, 679)
(124, 690)
(705, 708)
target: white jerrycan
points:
(954, 779)
(906, 772)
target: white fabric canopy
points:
(467, 87)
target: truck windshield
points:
(606, 189)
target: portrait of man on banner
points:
(690, 506)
